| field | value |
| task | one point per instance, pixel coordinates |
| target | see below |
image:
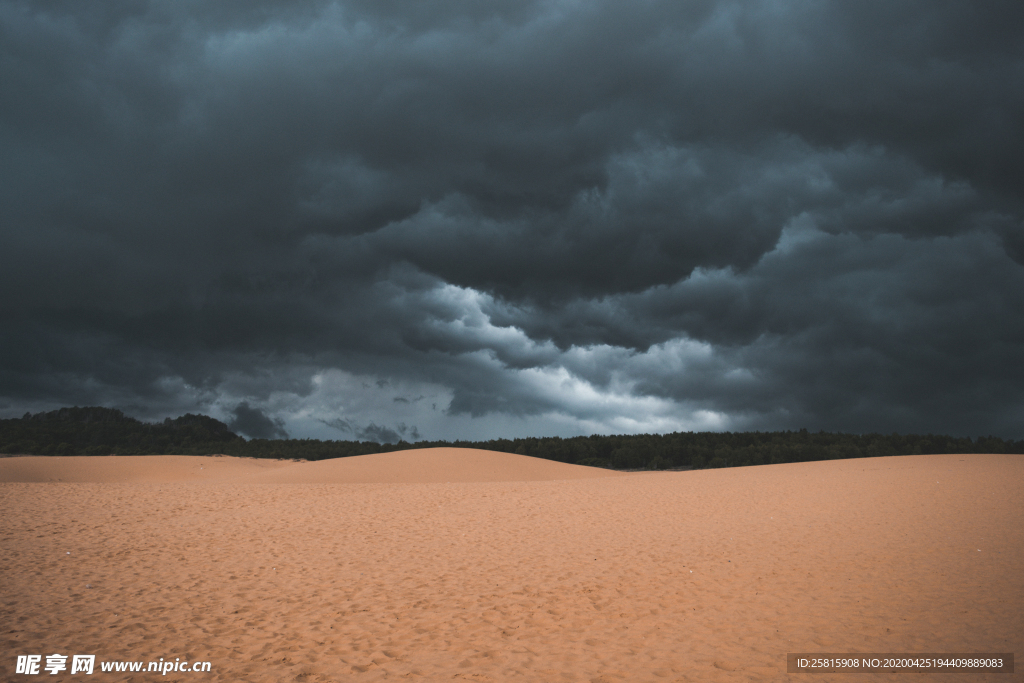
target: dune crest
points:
(417, 466)
(428, 466)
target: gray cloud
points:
(373, 431)
(538, 217)
(341, 424)
(377, 433)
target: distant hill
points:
(105, 431)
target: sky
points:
(397, 219)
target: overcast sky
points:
(386, 219)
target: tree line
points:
(105, 431)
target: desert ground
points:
(455, 564)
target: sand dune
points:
(535, 574)
(421, 466)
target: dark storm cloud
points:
(253, 423)
(761, 214)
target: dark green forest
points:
(105, 431)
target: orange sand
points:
(470, 565)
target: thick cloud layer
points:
(386, 220)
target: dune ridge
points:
(416, 466)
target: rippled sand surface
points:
(453, 564)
